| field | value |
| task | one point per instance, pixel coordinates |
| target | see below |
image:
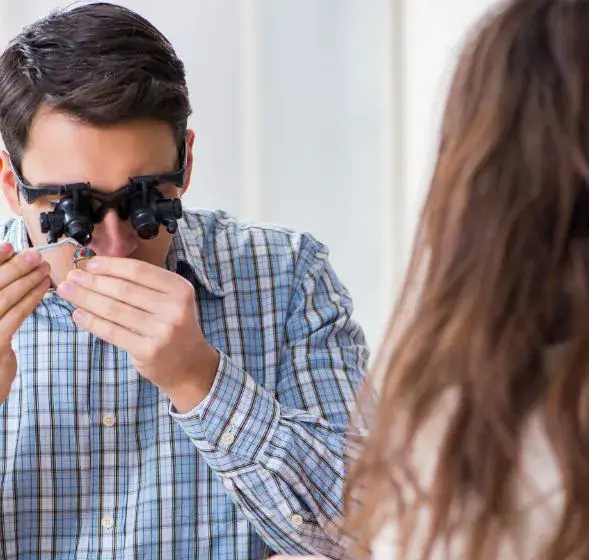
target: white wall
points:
(317, 114)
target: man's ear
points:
(9, 186)
(190, 136)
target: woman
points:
(480, 446)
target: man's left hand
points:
(150, 313)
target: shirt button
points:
(108, 523)
(108, 420)
(296, 520)
(227, 438)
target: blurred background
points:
(320, 115)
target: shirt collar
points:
(187, 246)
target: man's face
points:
(63, 150)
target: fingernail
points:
(92, 265)
(32, 256)
(5, 248)
(77, 275)
(79, 316)
(66, 288)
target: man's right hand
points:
(24, 280)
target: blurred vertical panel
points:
(325, 130)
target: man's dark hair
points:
(99, 62)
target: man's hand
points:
(24, 280)
(150, 313)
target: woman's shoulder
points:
(537, 485)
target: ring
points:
(82, 254)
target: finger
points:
(13, 293)
(6, 251)
(110, 332)
(138, 272)
(15, 317)
(109, 309)
(18, 266)
(130, 293)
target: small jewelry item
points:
(82, 254)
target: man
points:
(185, 392)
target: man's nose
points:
(114, 237)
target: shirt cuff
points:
(238, 416)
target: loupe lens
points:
(81, 231)
(145, 224)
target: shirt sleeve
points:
(280, 455)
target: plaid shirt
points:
(94, 463)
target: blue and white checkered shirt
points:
(95, 464)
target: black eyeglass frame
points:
(138, 183)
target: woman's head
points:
(499, 279)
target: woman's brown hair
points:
(499, 280)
